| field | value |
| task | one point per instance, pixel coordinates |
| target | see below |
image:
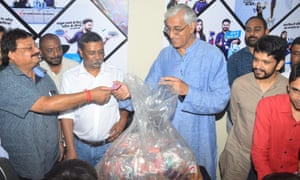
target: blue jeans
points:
(90, 154)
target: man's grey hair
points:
(189, 15)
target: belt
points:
(92, 143)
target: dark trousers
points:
(252, 174)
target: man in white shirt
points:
(89, 129)
(52, 55)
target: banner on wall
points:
(36, 13)
(8, 20)
(67, 19)
(273, 11)
(282, 18)
(70, 25)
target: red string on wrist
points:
(88, 95)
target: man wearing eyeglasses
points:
(196, 71)
(246, 91)
(276, 134)
(52, 58)
(28, 124)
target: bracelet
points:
(88, 95)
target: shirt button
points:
(291, 139)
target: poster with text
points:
(70, 25)
(273, 11)
(224, 31)
(289, 29)
(36, 13)
(9, 21)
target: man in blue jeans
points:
(89, 129)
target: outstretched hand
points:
(101, 94)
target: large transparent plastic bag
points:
(150, 148)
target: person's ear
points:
(80, 52)
(267, 31)
(11, 55)
(279, 65)
(192, 27)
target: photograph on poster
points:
(37, 13)
(271, 10)
(117, 11)
(70, 25)
(224, 31)
(288, 29)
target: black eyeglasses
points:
(28, 48)
(175, 29)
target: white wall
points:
(146, 40)
(144, 34)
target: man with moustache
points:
(201, 85)
(247, 90)
(89, 129)
(240, 63)
(52, 55)
(28, 124)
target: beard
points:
(225, 29)
(295, 102)
(94, 64)
(54, 61)
(265, 74)
(250, 41)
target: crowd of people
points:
(58, 117)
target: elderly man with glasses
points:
(196, 71)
